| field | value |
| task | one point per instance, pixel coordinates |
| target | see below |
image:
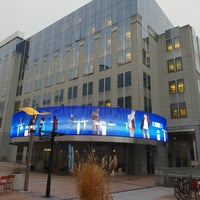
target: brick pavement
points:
(63, 188)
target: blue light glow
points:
(77, 120)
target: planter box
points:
(17, 184)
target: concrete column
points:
(140, 159)
(130, 162)
(12, 153)
(24, 155)
(161, 156)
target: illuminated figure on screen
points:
(145, 126)
(71, 120)
(20, 127)
(40, 128)
(31, 125)
(95, 122)
(131, 123)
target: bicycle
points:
(197, 190)
(182, 188)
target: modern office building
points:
(113, 53)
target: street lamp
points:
(28, 164)
(48, 187)
(34, 113)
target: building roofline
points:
(17, 34)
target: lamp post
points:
(48, 187)
(34, 113)
(30, 150)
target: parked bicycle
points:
(184, 186)
(197, 190)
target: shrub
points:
(92, 183)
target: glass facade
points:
(6, 53)
(113, 53)
(47, 52)
(81, 44)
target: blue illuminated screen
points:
(80, 120)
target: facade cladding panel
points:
(113, 53)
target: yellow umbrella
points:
(29, 110)
(32, 111)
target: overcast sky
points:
(31, 16)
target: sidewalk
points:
(63, 188)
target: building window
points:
(172, 87)
(59, 65)
(38, 76)
(105, 103)
(120, 102)
(105, 63)
(178, 62)
(175, 65)
(90, 88)
(16, 109)
(145, 52)
(88, 56)
(74, 61)
(180, 86)
(75, 92)
(105, 51)
(107, 84)
(101, 85)
(124, 79)
(120, 80)
(182, 110)
(124, 45)
(104, 84)
(59, 94)
(36, 102)
(128, 102)
(101, 103)
(48, 68)
(170, 64)
(124, 102)
(168, 34)
(169, 45)
(84, 91)
(174, 110)
(46, 99)
(176, 86)
(178, 110)
(127, 79)
(72, 92)
(172, 39)
(87, 89)
(177, 44)
(147, 105)
(146, 81)
(26, 102)
(38, 84)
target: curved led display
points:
(91, 120)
